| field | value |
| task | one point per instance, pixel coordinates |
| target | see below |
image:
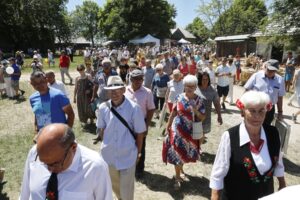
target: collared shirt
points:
(175, 89)
(274, 87)
(149, 73)
(87, 178)
(60, 86)
(143, 97)
(232, 72)
(223, 81)
(101, 80)
(222, 161)
(118, 147)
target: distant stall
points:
(235, 45)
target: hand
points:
(220, 120)
(97, 139)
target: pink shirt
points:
(143, 97)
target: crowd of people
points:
(122, 90)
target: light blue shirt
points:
(274, 87)
(118, 147)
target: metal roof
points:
(233, 37)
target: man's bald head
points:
(55, 134)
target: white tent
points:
(183, 41)
(147, 39)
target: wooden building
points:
(235, 45)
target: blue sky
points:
(186, 9)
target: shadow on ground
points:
(291, 167)
(207, 158)
(194, 186)
(3, 196)
(90, 128)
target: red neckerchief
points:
(256, 149)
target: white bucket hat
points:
(114, 82)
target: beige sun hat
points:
(114, 82)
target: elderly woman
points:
(175, 88)
(249, 154)
(210, 96)
(159, 88)
(83, 94)
(179, 146)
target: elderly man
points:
(168, 64)
(121, 125)
(49, 104)
(144, 98)
(64, 64)
(52, 82)
(101, 81)
(271, 83)
(59, 168)
(149, 73)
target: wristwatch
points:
(139, 155)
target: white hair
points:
(190, 79)
(254, 98)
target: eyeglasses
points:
(58, 164)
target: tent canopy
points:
(147, 39)
(183, 41)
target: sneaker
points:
(294, 118)
(223, 106)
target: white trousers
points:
(230, 93)
(10, 92)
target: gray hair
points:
(68, 138)
(190, 79)
(254, 98)
(37, 74)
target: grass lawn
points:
(16, 132)
(27, 69)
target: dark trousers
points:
(270, 116)
(160, 101)
(141, 164)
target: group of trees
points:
(232, 17)
(38, 23)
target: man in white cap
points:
(101, 81)
(144, 98)
(120, 124)
(271, 83)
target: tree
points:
(210, 12)
(198, 28)
(85, 20)
(31, 23)
(127, 19)
(284, 23)
(243, 17)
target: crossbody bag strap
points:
(123, 121)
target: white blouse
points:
(222, 161)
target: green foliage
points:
(31, 23)
(243, 17)
(284, 24)
(85, 21)
(198, 28)
(127, 19)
